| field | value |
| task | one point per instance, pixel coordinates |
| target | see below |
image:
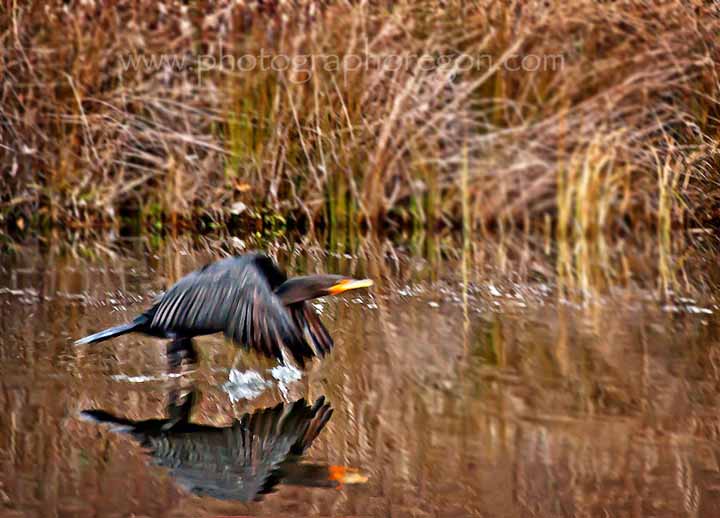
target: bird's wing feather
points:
(308, 322)
(232, 296)
(321, 413)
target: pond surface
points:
(449, 398)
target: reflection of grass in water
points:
(539, 391)
(578, 269)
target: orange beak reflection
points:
(346, 475)
(349, 284)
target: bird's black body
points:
(240, 462)
(250, 300)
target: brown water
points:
(504, 399)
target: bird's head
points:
(298, 289)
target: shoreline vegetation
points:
(571, 119)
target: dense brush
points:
(599, 116)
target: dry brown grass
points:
(617, 132)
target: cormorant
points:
(250, 300)
(243, 461)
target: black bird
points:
(243, 461)
(250, 300)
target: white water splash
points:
(285, 375)
(671, 308)
(143, 379)
(245, 385)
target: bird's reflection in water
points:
(243, 461)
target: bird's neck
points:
(297, 289)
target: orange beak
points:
(349, 284)
(346, 475)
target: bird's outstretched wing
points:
(234, 296)
(308, 322)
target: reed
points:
(565, 109)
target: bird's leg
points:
(178, 349)
(179, 406)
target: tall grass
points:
(599, 117)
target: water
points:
(505, 399)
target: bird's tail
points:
(108, 333)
